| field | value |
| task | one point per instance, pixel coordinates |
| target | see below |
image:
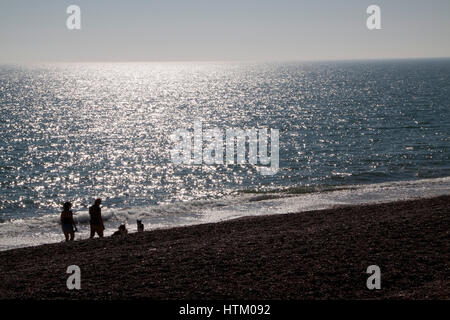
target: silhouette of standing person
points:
(67, 223)
(96, 221)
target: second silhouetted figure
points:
(96, 221)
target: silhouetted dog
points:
(140, 226)
(121, 232)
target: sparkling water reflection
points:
(79, 131)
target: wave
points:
(299, 189)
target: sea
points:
(350, 132)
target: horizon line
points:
(225, 60)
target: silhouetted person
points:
(96, 221)
(67, 223)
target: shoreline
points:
(308, 255)
(44, 228)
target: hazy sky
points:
(141, 30)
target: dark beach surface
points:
(308, 255)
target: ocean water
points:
(350, 132)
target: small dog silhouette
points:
(121, 232)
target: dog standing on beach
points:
(140, 226)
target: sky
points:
(227, 30)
